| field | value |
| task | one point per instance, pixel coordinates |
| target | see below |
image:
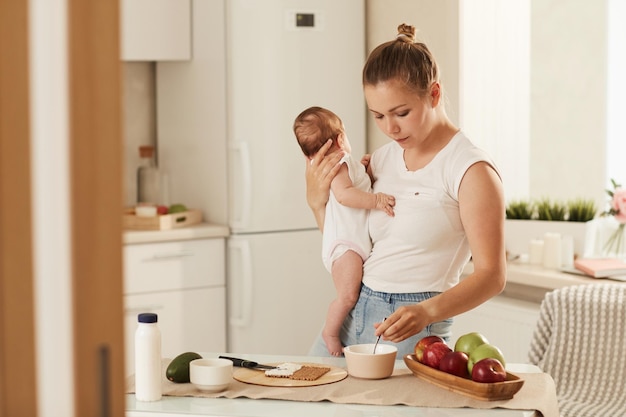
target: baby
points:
(346, 242)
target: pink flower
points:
(618, 204)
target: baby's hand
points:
(366, 160)
(385, 202)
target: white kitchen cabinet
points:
(155, 30)
(184, 283)
(506, 322)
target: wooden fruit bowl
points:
(479, 390)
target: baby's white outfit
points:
(346, 228)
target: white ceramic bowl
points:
(364, 363)
(211, 375)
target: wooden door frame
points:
(97, 201)
(95, 147)
(18, 396)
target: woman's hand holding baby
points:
(320, 171)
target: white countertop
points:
(245, 407)
(196, 231)
(531, 282)
(538, 276)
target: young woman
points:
(449, 206)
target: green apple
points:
(177, 208)
(484, 351)
(469, 342)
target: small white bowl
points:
(211, 375)
(364, 363)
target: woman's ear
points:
(435, 93)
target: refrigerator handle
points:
(241, 318)
(241, 153)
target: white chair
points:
(580, 340)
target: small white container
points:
(211, 375)
(567, 251)
(535, 252)
(147, 358)
(145, 211)
(552, 250)
(364, 363)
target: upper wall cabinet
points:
(155, 30)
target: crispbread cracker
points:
(278, 376)
(299, 372)
(309, 373)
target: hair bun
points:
(406, 33)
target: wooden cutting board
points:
(257, 377)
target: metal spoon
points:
(378, 339)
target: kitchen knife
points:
(248, 364)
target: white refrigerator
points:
(281, 57)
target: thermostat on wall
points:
(304, 20)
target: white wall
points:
(568, 96)
(139, 121)
(495, 76)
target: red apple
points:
(434, 353)
(162, 209)
(423, 343)
(455, 363)
(488, 370)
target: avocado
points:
(178, 369)
(177, 208)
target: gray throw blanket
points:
(580, 340)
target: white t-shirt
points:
(423, 247)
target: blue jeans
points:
(372, 307)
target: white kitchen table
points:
(246, 407)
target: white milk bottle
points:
(147, 358)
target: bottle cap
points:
(147, 318)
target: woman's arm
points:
(482, 209)
(320, 171)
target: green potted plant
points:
(550, 210)
(581, 210)
(519, 209)
(528, 219)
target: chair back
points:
(580, 340)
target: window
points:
(494, 85)
(616, 94)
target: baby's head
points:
(314, 126)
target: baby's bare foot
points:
(333, 344)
